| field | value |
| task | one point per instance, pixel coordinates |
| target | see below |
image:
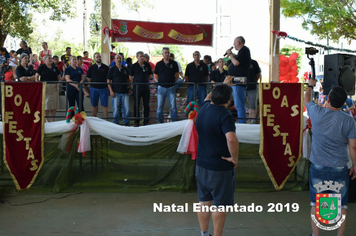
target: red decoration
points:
(193, 144)
(306, 76)
(308, 125)
(108, 31)
(78, 119)
(288, 69)
(280, 34)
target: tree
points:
(16, 16)
(177, 50)
(95, 18)
(324, 18)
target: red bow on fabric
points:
(78, 119)
(107, 30)
(193, 116)
(280, 34)
(308, 126)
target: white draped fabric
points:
(136, 136)
(145, 135)
(150, 134)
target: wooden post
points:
(85, 25)
(105, 22)
(274, 25)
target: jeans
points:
(318, 174)
(178, 83)
(145, 95)
(162, 93)
(201, 92)
(239, 99)
(73, 95)
(120, 100)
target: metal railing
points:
(135, 85)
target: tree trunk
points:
(2, 38)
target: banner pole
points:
(105, 22)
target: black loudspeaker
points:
(339, 70)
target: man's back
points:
(331, 131)
(213, 122)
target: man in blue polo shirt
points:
(166, 73)
(218, 149)
(98, 73)
(197, 72)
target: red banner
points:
(164, 33)
(281, 113)
(23, 130)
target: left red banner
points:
(164, 33)
(23, 130)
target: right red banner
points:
(281, 112)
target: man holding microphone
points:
(239, 68)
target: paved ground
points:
(132, 214)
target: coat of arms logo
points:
(328, 206)
(123, 28)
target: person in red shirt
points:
(112, 54)
(85, 68)
(86, 60)
(147, 59)
(82, 65)
(61, 66)
(9, 74)
(44, 52)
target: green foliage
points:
(16, 17)
(288, 50)
(95, 18)
(120, 47)
(324, 17)
(93, 49)
(57, 45)
(177, 50)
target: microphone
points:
(230, 49)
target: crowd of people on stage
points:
(122, 78)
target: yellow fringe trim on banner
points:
(184, 37)
(146, 33)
